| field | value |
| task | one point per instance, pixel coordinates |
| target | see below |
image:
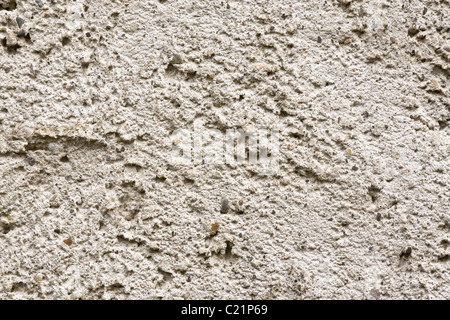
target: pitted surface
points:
(92, 208)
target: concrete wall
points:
(92, 206)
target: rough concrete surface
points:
(92, 208)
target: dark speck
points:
(120, 150)
(355, 168)
(406, 253)
(319, 39)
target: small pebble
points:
(425, 10)
(375, 293)
(68, 241)
(39, 3)
(362, 12)
(27, 132)
(20, 21)
(215, 228)
(21, 34)
(355, 168)
(378, 216)
(365, 114)
(31, 161)
(435, 84)
(176, 59)
(319, 39)
(225, 206)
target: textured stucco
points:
(91, 206)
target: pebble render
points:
(92, 208)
